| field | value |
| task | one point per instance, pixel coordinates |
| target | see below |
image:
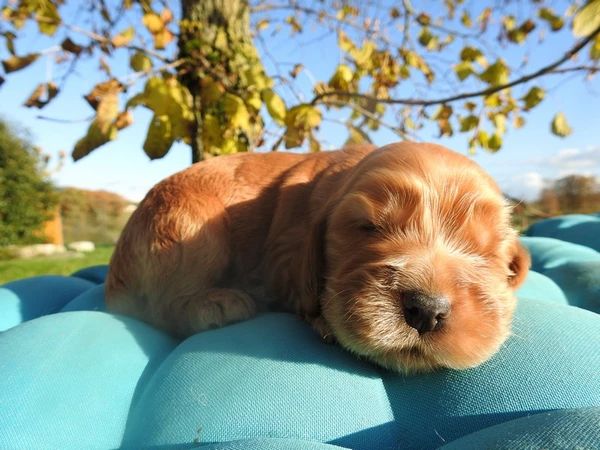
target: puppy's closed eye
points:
(369, 228)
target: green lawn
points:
(13, 269)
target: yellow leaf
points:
(518, 122)
(344, 42)
(313, 144)
(595, 48)
(293, 22)
(15, 63)
(262, 24)
(465, 19)
(252, 99)
(42, 95)
(275, 105)
(499, 120)
(166, 15)
(47, 18)
(236, 111)
(140, 62)
(162, 39)
(463, 70)
(560, 126)
(123, 120)
(159, 138)
(124, 37)
(101, 90)
(342, 77)
(496, 74)
(473, 54)
(533, 97)
(94, 138)
(587, 19)
(153, 22)
(468, 123)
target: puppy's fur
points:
(335, 237)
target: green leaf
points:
(463, 70)
(560, 126)
(465, 19)
(468, 123)
(556, 22)
(595, 48)
(587, 19)
(495, 142)
(140, 62)
(159, 138)
(473, 54)
(496, 74)
(293, 22)
(533, 97)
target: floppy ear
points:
(519, 265)
(312, 267)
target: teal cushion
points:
(34, 297)
(574, 268)
(95, 274)
(68, 380)
(270, 444)
(82, 378)
(561, 429)
(541, 287)
(90, 300)
(577, 228)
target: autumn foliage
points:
(203, 74)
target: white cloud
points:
(576, 161)
(524, 186)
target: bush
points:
(26, 195)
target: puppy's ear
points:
(519, 265)
(312, 267)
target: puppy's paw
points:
(322, 328)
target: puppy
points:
(403, 254)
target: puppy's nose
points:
(425, 312)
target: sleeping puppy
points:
(403, 254)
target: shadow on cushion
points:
(560, 429)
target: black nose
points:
(425, 312)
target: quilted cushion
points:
(74, 376)
(577, 228)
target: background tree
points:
(403, 66)
(577, 193)
(26, 196)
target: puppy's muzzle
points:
(425, 312)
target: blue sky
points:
(529, 155)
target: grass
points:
(66, 264)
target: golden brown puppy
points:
(405, 254)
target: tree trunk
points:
(209, 28)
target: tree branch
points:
(547, 70)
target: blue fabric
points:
(561, 429)
(270, 444)
(82, 378)
(541, 287)
(30, 298)
(95, 274)
(68, 380)
(574, 268)
(577, 228)
(90, 300)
